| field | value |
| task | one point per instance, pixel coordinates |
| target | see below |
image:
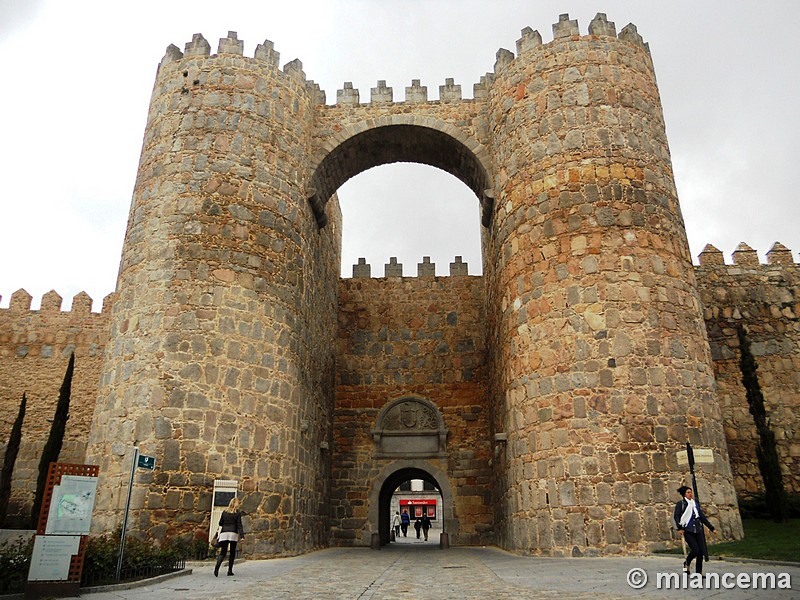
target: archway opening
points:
(438, 145)
(409, 212)
(388, 490)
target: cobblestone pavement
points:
(418, 570)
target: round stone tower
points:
(220, 361)
(601, 366)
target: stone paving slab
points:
(417, 570)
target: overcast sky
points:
(77, 77)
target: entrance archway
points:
(380, 206)
(399, 472)
(396, 138)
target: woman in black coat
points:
(689, 519)
(232, 532)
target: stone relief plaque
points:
(410, 415)
(410, 427)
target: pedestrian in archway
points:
(418, 525)
(396, 524)
(426, 525)
(231, 533)
(405, 521)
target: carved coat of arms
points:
(410, 427)
(411, 415)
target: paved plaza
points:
(410, 569)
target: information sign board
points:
(51, 557)
(71, 506)
(147, 462)
(701, 456)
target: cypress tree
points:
(8, 461)
(52, 447)
(766, 448)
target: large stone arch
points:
(395, 473)
(399, 138)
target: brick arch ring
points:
(399, 138)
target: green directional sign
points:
(147, 462)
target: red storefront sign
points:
(417, 507)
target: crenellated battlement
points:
(232, 46)
(745, 256)
(426, 268)
(21, 301)
(530, 41)
(382, 94)
(50, 332)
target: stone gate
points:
(545, 399)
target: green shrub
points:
(102, 554)
(100, 562)
(15, 560)
(754, 506)
(199, 548)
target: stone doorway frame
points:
(393, 475)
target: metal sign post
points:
(134, 463)
(690, 455)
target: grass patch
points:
(763, 540)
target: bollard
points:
(375, 541)
(444, 541)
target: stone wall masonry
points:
(761, 296)
(35, 346)
(600, 366)
(222, 333)
(765, 299)
(401, 336)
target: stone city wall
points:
(765, 299)
(35, 346)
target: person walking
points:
(231, 533)
(418, 525)
(396, 524)
(689, 519)
(426, 525)
(405, 521)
